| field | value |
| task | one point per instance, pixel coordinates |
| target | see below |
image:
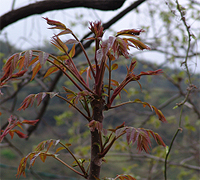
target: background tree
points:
(168, 36)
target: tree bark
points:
(96, 161)
(49, 5)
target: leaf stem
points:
(109, 82)
(81, 167)
(69, 167)
(86, 106)
(121, 104)
(74, 107)
(88, 60)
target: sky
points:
(33, 31)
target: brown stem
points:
(69, 166)
(81, 167)
(74, 107)
(95, 164)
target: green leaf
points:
(114, 66)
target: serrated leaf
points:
(43, 56)
(28, 56)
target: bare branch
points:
(49, 5)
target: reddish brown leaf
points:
(31, 122)
(120, 131)
(59, 44)
(120, 47)
(43, 157)
(115, 83)
(11, 132)
(160, 114)
(27, 101)
(33, 61)
(110, 56)
(22, 63)
(96, 28)
(138, 44)
(19, 74)
(71, 41)
(157, 72)
(22, 167)
(143, 103)
(95, 125)
(20, 134)
(67, 31)
(50, 71)
(125, 177)
(40, 97)
(56, 24)
(10, 66)
(130, 32)
(90, 38)
(59, 149)
(35, 68)
(157, 138)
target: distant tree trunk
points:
(95, 164)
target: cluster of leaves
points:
(106, 52)
(12, 123)
(43, 151)
(139, 135)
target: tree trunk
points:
(95, 162)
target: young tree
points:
(94, 93)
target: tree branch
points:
(49, 5)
